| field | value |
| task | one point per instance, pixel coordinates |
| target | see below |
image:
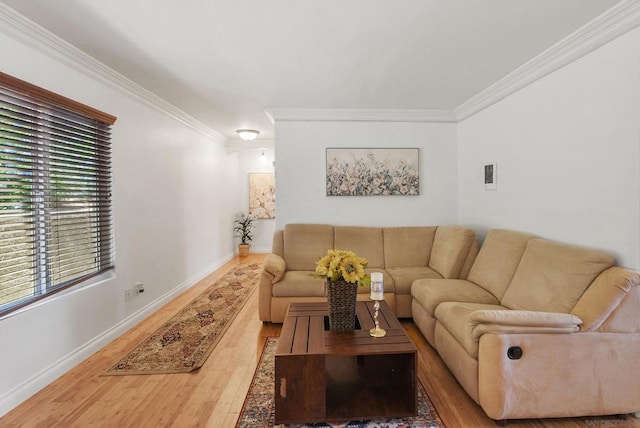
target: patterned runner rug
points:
(184, 342)
(258, 409)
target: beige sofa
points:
(537, 329)
(402, 254)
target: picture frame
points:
(490, 176)
(372, 171)
(262, 195)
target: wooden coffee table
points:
(323, 376)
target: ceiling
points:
(225, 61)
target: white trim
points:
(621, 18)
(35, 383)
(616, 21)
(19, 27)
(359, 115)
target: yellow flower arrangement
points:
(344, 265)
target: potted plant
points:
(244, 228)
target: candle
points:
(377, 287)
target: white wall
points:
(252, 160)
(300, 174)
(568, 158)
(175, 196)
(567, 149)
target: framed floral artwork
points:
(262, 195)
(373, 172)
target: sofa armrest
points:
(273, 269)
(611, 302)
(587, 373)
(513, 321)
(274, 265)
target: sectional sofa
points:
(531, 328)
(402, 254)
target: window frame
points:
(41, 95)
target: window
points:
(56, 225)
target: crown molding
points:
(616, 21)
(621, 18)
(359, 115)
(22, 29)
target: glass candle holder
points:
(377, 295)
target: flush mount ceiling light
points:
(247, 134)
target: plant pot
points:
(341, 297)
(243, 250)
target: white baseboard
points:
(35, 383)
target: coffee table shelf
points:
(323, 376)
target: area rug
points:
(184, 342)
(258, 409)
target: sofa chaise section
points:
(487, 281)
(539, 329)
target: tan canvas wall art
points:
(262, 195)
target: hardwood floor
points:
(213, 395)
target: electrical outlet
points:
(127, 295)
(139, 287)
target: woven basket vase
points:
(341, 296)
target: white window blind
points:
(56, 226)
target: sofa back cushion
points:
(468, 262)
(407, 246)
(498, 259)
(304, 244)
(450, 249)
(366, 242)
(551, 276)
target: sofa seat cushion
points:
(404, 277)
(552, 277)
(431, 292)
(297, 283)
(302, 283)
(456, 319)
